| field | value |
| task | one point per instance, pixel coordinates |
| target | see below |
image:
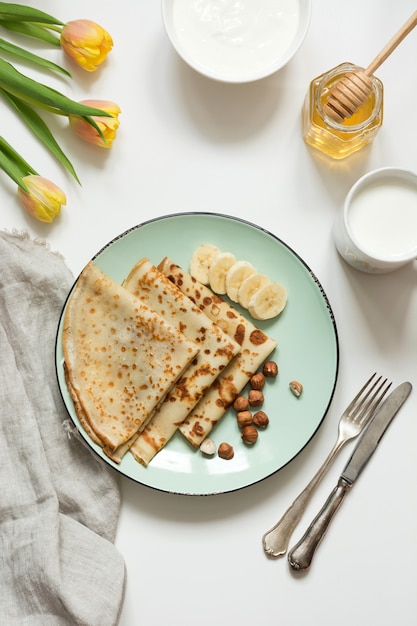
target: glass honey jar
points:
(340, 139)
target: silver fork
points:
(353, 420)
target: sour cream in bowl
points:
(236, 41)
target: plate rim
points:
(180, 214)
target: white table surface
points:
(187, 143)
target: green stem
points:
(32, 30)
(40, 130)
(21, 53)
(28, 89)
(16, 12)
(13, 164)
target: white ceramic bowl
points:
(236, 42)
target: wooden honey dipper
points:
(349, 93)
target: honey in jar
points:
(340, 139)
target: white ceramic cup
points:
(376, 229)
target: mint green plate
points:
(308, 351)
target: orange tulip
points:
(86, 43)
(107, 125)
(44, 198)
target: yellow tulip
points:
(86, 43)
(107, 125)
(44, 198)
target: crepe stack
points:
(216, 351)
(255, 348)
(121, 358)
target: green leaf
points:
(92, 123)
(17, 12)
(34, 31)
(6, 148)
(13, 164)
(17, 51)
(36, 124)
(36, 93)
(8, 166)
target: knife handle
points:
(276, 540)
(301, 555)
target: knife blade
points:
(301, 555)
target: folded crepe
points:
(255, 348)
(121, 357)
(216, 351)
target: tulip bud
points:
(44, 198)
(86, 43)
(107, 125)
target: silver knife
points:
(301, 555)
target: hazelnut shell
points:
(260, 419)
(270, 369)
(225, 451)
(256, 397)
(249, 434)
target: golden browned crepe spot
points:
(121, 357)
(255, 345)
(217, 350)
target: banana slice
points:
(201, 260)
(235, 277)
(268, 301)
(218, 270)
(241, 282)
(250, 286)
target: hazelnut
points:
(225, 451)
(257, 381)
(270, 369)
(244, 418)
(260, 419)
(296, 388)
(256, 397)
(249, 434)
(241, 403)
(208, 446)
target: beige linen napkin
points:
(59, 504)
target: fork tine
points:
(374, 400)
(352, 422)
(358, 395)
